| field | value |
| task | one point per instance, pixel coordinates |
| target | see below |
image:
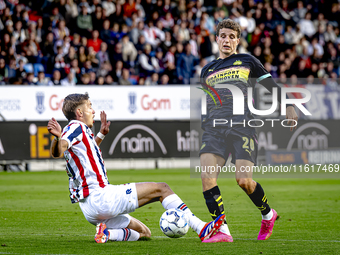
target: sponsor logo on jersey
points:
(237, 63)
(231, 74)
(128, 191)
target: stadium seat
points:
(29, 68)
(38, 68)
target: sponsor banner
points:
(323, 104)
(164, 139)
(309, 135)
(34, 103)
(303, 157)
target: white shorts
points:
(111, 205)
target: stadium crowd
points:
(158, 42)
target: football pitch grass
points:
(37, 217)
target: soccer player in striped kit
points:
(104, 205)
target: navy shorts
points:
(239, 145)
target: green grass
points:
(36, 216)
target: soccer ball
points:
(174, 223)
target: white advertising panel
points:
(18, 103)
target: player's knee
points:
(245, 184)
(163, 187)
(145, 232)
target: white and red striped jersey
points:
(84, 161)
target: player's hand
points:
(291, 115)
(105, 126)
(54, 127)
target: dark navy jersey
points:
(241, 70)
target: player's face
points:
(227, 42)
(88, 113)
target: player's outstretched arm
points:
(291, 115)
(58, 146)
(104, 128)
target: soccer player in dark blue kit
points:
(243, 71)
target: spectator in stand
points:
(129, 52)
(82, 57)
(3, 70)
(29, 79)
(185, 65)
(94, 42)
(166, 44)
(115, 33)
(42, 80)
(164, 80)
(76, 42)
(70, 56)
(61, 31)
(55, 79)
(117, 55)
(85, 79)
(109, 6)
(31, 48)
(150, 34)
(97, 18)
(109, 80)
(87, 68)
(199, 67)
(74, 68)
(118, 71)
(71, 11)
(152, 80)
(125, 78)
(160, 60)
(136, 32)
(141, 81)
(84, 22)
(93, 77)
(118, 15)
(104, 69)
(299, 12)
(100, 80)
(20, 72)
(105, 33)
(129, 7)
(19, 32)
(102, 55)
(306, 25)
(91, 56)
(168, 21)
(148, 64)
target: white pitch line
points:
(191, 237)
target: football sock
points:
(214, 202)
(260, 200)
(173, 201)
(268, 216)
(123, 234)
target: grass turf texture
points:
(36, 216)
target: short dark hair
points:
(231, 24)
(71, 102)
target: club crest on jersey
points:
(128, 191)
(237, 63)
